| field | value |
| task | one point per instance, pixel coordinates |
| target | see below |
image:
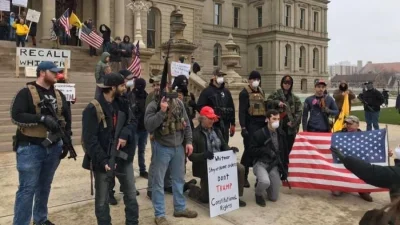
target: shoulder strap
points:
(266, 136)
(59, 103)
(99, 111)
(248, 89)
(35, 97)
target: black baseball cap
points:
(320, 81)
(112, 80)
(47, 65)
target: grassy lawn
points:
(388, 115)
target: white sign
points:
(223, 183)
(30, 71)
(67, 89)
(22, 3)
(33, 15)
(180, 69)
(33, 56)
(4, 5)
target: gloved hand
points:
(232, 130)
(208, 155)
(234, 149)
(192, 103)
(326, 110)
(50, 123)
(338, 153)
(244, 132)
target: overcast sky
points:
(367, 30)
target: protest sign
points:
(33, 15)
(223, 183)
(21, 3)
(33, 56)
(67, 89)
(30, 71)
(180, 69)
(4, 5)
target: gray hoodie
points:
(99, 74)
(153, 119)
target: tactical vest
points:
(189, 109)
(40, 131)
(256, 102)
(100, 118)
(174, 120)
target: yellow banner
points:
(339, 124)
(74, 20)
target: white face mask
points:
(255, 83)
(130, 83)
(275, 124)
(220, 80)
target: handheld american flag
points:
(90, 37)
(135, 67)
(64, 21)
(312, 165)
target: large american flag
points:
(135, 67)
(64, 21)
(90, 37)
(312, 165)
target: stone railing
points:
(196, 84)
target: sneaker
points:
(186, 186)
(168, 190)
(47, 222)
(242, 203)
(144, 174)
(366, 196)
(161, 220)
(186, 213)
(112, 200)
(149, 194)
(260, 201)
(246, 184)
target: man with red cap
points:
(206, 142)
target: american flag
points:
(313, 167)
(135, 67)
(64, 21)
(90, 37)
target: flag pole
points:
(387, 140)
(29, 29)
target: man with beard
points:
(289, 107)
(180, 84)
(97, 136)
(340, 94)
(37, 164)
(372, 100)
(126, 56)
(251, 116)
(220, 99)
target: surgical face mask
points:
(130, 83)
(220, 80)
(255, 83)
(275, 124)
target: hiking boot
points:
(186, 186)
(337, 193)
(111, 199)
(186, 213)
(168, 190)
(366, 196)
(149, 194)
(246, 184)
(161, 220)
(260, 201)
(144, 174)
(242, 203)
(47, 222)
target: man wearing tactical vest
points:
(180, 84)
(290, 112)
(220, 99)
(99, 121)
(37, 164)
(252, 113)
(167, 120)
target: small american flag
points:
(312, 165)
(135, 67)
(64, 21)
(90, 37)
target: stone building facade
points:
(276, 37)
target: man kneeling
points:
(206, 142)
(267, 148)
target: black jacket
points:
(127, 46)
(106, 31)
(115, 52)
(137, 107)
(97, 139)
(245, 119)
(373, 98)
(217, 98)
(199, 165)
(23, 111)
(32, 30)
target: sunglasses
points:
(288, 82)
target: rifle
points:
(113, 151)
(163, 85)
(60, 134)
(365, 103)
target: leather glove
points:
(244, 133)
(232, 130)
(50, 123)
(338, 153)
(208, 155)
(234, 149)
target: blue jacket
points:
(317, 122)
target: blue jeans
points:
(36, 167)
(167, 177)
(12, 33)
(164, 158)
(20, 40)
(372, 120)
(140, 143)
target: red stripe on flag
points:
(331, 188)
(316, 166)
(328, 177)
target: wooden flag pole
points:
(66, 70)
(387, 140)
(17, 66)
(29, 29)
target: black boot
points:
(246, 184)
(168, 190)
(149, 194)
(186, 186)
(260, 201)
(144, 174)
(111, 198)
(242, 203)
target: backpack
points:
(100, 118)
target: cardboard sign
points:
(30, 71)
(33, 15)
(4, 6)
(223, 183)
(22, 3)
(33, 56)
(180, 69)
(67, 89)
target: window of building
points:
(315, 58)
(287, 15)
(302, 57)
(302, 18)
(315, 21)
(151, 29)
(217, 13)
(259, 56)
(217, 54)
(236, 12)
(259, 16)
(287, 55)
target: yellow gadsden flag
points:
(74, 20)
(339, 124)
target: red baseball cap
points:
(208, 112)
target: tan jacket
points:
(339, 98)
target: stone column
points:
(48, 13)
(326, 20)
(137, 7)
(103, 13)
(119, 21)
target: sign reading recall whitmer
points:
(33, 15)
(33, 56)
(223, 183)
(180, 69)
(67, 89)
